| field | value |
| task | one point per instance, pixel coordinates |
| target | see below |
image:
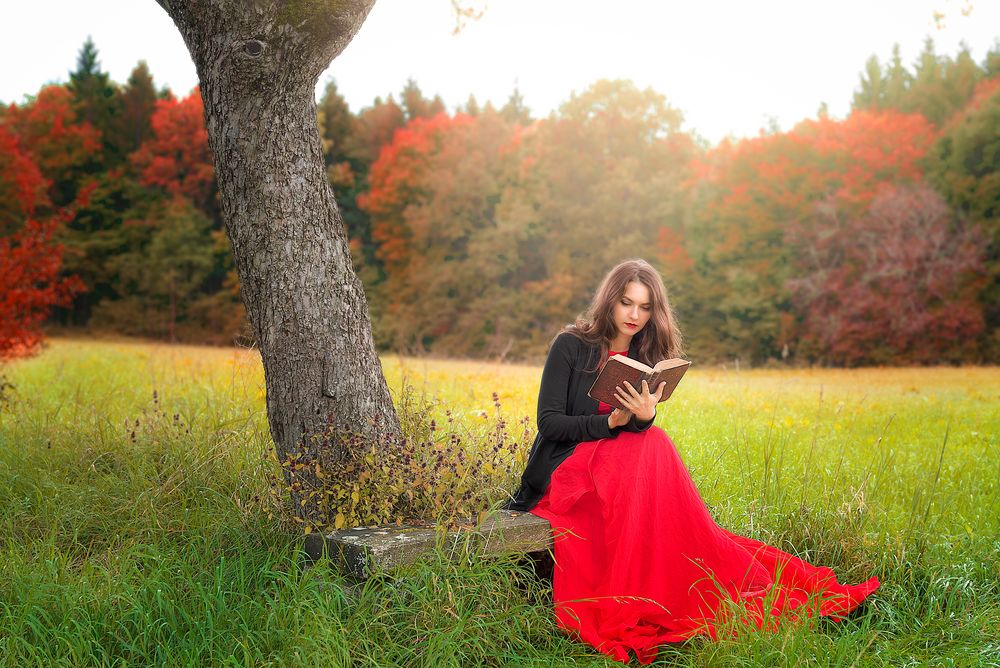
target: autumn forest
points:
(868, 240)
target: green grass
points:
(132, 537)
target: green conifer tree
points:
(926, 94)
(964, 167)
(336, 124)
(871, 94)
(514, 110)
(897, 80)
(471, 106)
(98, 101)
(960, 78)
(416, 105)
(991, 63)
(138, 104)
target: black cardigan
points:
(566, 415)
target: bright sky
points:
(730, 66)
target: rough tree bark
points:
(258, 62)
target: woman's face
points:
(633, 310)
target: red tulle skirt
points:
(639, 561)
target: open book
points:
(620, 368)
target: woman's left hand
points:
(643, 404)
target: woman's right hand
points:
(619, 417)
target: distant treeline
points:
(868, 240)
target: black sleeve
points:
(553, 423)
(636, 426)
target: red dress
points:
(639, 561)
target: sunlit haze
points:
(732, 68)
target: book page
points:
(628, 361)
(670, 364)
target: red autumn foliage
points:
(396, 183)
(177, 158)
(746, 194)
(29, 260)
(30, 286)
(770, 179)
(22, 186)
(453, 258)
(48, 132)
(895, 284)
(869, 149)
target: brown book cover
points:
(620, 368)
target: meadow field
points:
(138, 524)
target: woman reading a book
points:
(639, 561)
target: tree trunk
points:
(258, 62)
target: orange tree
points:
(449, 260)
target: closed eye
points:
(645, 307)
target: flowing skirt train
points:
(639, 561)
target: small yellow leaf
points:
(355, 497)
(308, 529)
(338, 522)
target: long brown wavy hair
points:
(659, 339)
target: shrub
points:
(447, 474)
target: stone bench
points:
(363, 551)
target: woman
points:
(639, 559)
